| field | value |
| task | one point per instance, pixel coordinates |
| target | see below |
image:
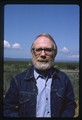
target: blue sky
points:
(23, 22)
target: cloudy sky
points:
(22, 23)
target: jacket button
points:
(16, 107)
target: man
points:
(41, 90)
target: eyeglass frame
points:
(51, 50)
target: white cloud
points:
(73, 56)
(6, 44)
(64, 50)
(16, 45)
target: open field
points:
(11, 68)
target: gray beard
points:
(42, 66)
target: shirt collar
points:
(37, 75)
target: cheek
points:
(50, 57)
(35, 56)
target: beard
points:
(43, 64)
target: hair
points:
(48, 36)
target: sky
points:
(24, 22)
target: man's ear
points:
(32, 52)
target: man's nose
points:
(43, 53)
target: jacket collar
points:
(30, 73)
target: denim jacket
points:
(20, 99)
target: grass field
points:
(11, 68)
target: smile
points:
(42, 61)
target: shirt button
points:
(48, 112)
(46, 98)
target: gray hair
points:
(48, 36)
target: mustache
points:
(44, 60)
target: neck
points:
(44, 73)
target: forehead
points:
(43, 42)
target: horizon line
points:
(21, 59)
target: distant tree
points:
(71, 66)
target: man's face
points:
(43, 53)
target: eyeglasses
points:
(48, 51)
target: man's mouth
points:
(42, 60)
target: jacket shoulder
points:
(59, 72)
(62, 75)
(26, 73)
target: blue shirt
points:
(43, 108)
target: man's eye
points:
(45, 49)
(37, 50)
(48, 50)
